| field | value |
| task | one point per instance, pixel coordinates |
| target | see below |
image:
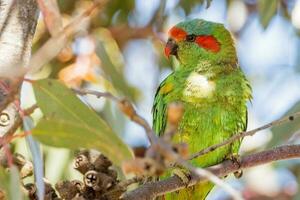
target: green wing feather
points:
(159, 111)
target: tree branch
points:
(18, 20)
(127, 108)
(151, 190)
(57, 42)
(246, 133)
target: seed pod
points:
(79, 185)
(91, 179)
(82, 163)
(25, 166)
(89, 193)
(31, 188)
(106, 181)
(97, 180)
(102, 163)
(67, 189)
(112, 173)
(50, 193)
(4, 119)
(79, 198)
(114, 193)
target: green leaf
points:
(10, 183)
(189, 5)
(283, 133)
(114, 13)
(37, 158)
(4, 180)
(14, 187)
(71, 134)
(119, 10)
(110, 69)
(70, 123)
(266, 11)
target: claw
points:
(183, 174)
(236, 159)
(238, 174)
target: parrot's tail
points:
(197, 192)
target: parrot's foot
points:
(149, 179)
(236, 159)
(238, 174)
(183, 174)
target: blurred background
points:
(120, 49)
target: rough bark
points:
(151, 190)
(18, 19)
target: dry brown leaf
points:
(81, 70)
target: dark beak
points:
(171, 48)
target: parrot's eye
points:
(190, 38)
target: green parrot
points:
(213, 91)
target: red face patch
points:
(167, 51)
(208, 42)
(177, 33)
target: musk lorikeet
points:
(213, 90)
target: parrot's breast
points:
(197, 87)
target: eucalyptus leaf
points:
(189, 5)
(66, 133)
(10, 183)
(14, 186)
(119, 10)
(37, 158)
(70, 123)
(266, 11)
(4, 181)
(109, 69)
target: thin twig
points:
(126, 108)
(9, 89)
(8, 136)
(96, 93)
(19, 121)
(51, 15)
(246, 133)
(56, 43)
(151, 190)
(31, 109)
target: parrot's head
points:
(198, 40)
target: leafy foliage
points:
(266, 11)
(37, 158)
(189, 5)
(119, 10)
(69, 123)
(9, 182)
(109, 68)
